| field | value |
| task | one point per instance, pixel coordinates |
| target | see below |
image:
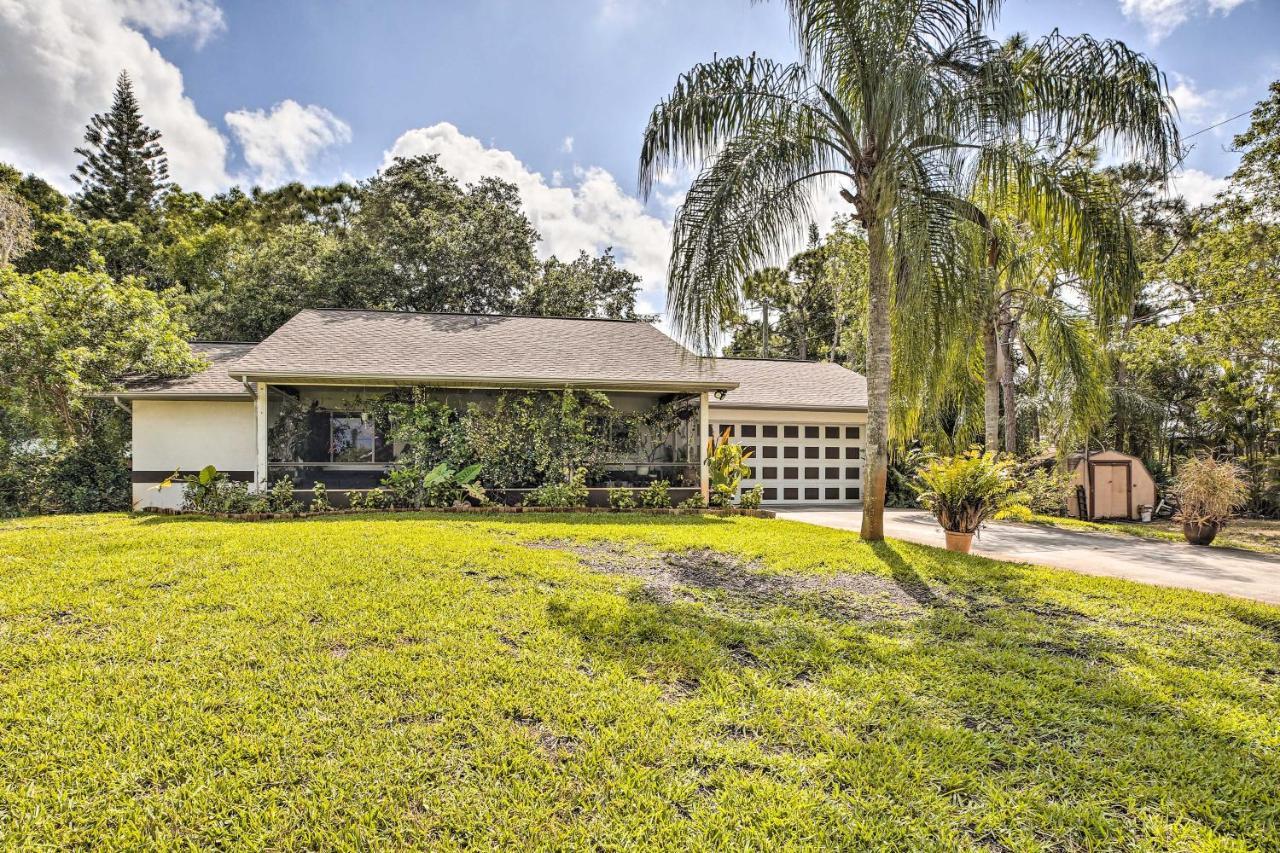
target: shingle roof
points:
(477, 350)
(215, 381)
(774, 384)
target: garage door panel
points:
(800, 463)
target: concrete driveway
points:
(1223, 570)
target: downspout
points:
(121, 406)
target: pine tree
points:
(124, 168)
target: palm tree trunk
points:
(878, 372)
(1006, 383)
(991, 383)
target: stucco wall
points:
(170, 434)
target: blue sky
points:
(552, 94)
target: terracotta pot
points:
(1200, 534)
(958, 542)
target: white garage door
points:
(801, 463)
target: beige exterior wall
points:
(189, 434)
(1142, 487)
(785, 416)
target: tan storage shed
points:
(1119, 486)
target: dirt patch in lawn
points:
(725, 581)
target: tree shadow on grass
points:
(985, 689)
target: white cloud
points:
(59, 60)
(1196, 186)
(282, 144)
(567, 145)
(200, 19)
(1162, 17)
(593, 213)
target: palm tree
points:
(890, 102)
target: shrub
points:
(440, 486)
(1016, 512)
(695, 501)
(752, 498)
(210, 491)
(725, 463)
(622, 498)
(320, 498)
(656, 495)
(280, 498)
(372, 499)
(1045, 490)
(572, 493)
(1209, 490)
(964, 491)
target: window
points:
(833, 432)
(790, 453)
(852, 432)
(791, 473)
(751, 473)
(833, 494)
(851, 494)
(748, 430)
(770, 431)
(770, 474)
(770, 452)
(811, 473)
(811, 494)
(831, 452)
(790, 494)
(851, 453)
(810, 432)
(791, 432)
(771, 494)
(851, 473)
(811, 453)
(833, 474)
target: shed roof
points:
(477, 351)
(780, 384)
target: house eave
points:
(485, 382)
(781, 407)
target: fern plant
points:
(964, 491)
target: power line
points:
(1219, 124)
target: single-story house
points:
(803, 420)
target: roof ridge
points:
(637, 321)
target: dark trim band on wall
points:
(161, 476)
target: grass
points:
(609, 682)
(1249, 534)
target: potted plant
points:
(1208, 492)
(964, 491)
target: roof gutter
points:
(487, 382)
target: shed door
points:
(1112, 482)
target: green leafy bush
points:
(656, 495)
(964, 491)
(726, 465)
(752, 498)
(371, 499)
(572, 493)
(441, 486)
(319, 498)
(211, 491)
(1045, 490)
(622, 498)
(694, 501)
(280, 498)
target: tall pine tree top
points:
(124, 168)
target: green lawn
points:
(606, 681)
